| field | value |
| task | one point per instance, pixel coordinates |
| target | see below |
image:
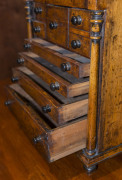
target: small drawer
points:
(57, 141)
(40, 11)
(59, 57)
(39, 29)
(56, 82)
(57, 25)
(79, 44)
(59, 112)
(79, 19)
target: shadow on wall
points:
(12, 34)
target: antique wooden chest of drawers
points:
(67, 90)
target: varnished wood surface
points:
(110, 123)
(19, 160)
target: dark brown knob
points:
(46, 109)
(76, 44)
(38, 10)
(37, 29)
(20, 60)
(53, 25)
(7, 103)
(54, 86)
(76, 20)
(65, 67)
(14, 79)
(38, 139)
(27, 46)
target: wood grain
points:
(34, 125)
(60, 113)
(110, 125)
(20, 160)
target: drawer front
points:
(57, 25)
(55, 82)
(79, 19)
(60, 113)
(39, 29)
(40, 11)
(71, 3)
(59, 142)
(79, 44)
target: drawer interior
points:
(58, 141)
(69, 86)
(60, 112)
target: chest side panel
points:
(110, 125)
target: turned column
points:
(29, 17)
(96, 25)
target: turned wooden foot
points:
(91, 168)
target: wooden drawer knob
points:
(65, 67)
(76, 20)
(36, 29)
(27, 46)
(20, 60)
(7, 103)
(53, 25)
(54, 86)
(76, 44)
(46, 109)
(38, 10)
(38, 139)
(14, 79)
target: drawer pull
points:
(76, 44)
(38, 139)
(37, 29)
(76, 20)
(38, 10)
(20, 60)
(7, 103)
(54, 86)
(53, 25)
(27, 46)
(46, 109)
(65, 67)
(14, 79)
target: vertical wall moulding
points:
(29, 18)
(96, 27)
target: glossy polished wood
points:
(21, 161)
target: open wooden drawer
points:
(58, 141)
(60, 112)
(59, 81)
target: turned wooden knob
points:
(54, 86)
(76, 44)
(38, 139)
(38, 10)
(20, 60)
(37, 29)
(46, 109)
(65, 67)
(7, 103)
(76, 20)
(14, 79)
(53, 25)
(27, 46)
